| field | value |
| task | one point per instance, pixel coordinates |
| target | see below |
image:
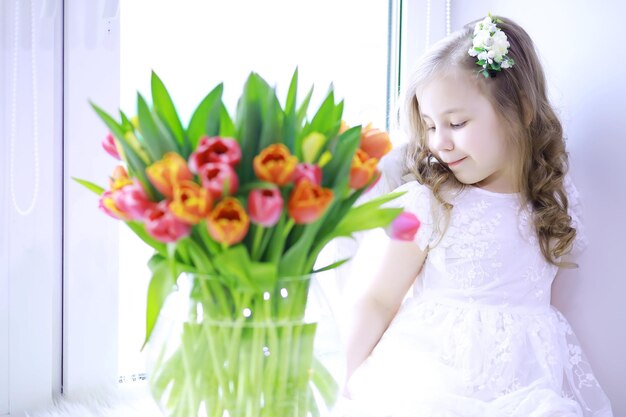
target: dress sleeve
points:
(576, 211)
(417, 200)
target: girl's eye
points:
(457, 125)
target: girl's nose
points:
(440, 140)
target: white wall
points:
(4, 241)
(90, 252)
(30, 242)
(580, 44)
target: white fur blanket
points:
(133, 400)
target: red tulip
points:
(110, 146)
(214, 176)
(308, 202)
(162, 225)
(215, 149)
(311, 171)
(404, 227)
(133, 201)
(265, 206)
(228, 223)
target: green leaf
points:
(206, 118)
(365, 220)
(210, 245)
(290, 103)
(164, 107)
(149, 131)
(249, 123)
(126, 123)
(265, 275)
(157, 137)
(332, 266)
(324, 382)
(199, 258)
(161, 285)
(304, 106)
(272, 116)
(90, 185)
(115, 128)
(136, 164)
(234, 263)
(290, 117)
(325, 118)
(227, 127)
(294, 261)
(336, 173)
(368, 216)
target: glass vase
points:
(222, 348)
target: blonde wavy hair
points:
(518, 95)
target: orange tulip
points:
(362, 170)
(308, 202)
(375, 142)
(275, 164)
(228, 222)
(119, 179)
(168, 172)
(191, 202)
(343, 127)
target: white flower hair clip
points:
(490, 45)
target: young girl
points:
(487, 170)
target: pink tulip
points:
(265, 206)
(215, 149)
(404, 227)
(311, 171)
(214, 175)
(133, 201)
(162, 225)
(110, 146)
(108, 204)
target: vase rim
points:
(288, 278)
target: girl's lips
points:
(452, 164)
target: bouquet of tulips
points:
(242, 205)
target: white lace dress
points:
(479, 336)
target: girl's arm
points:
(375, 309)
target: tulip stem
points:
(288, 227)
(256, 243)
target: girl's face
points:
(465, 132)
